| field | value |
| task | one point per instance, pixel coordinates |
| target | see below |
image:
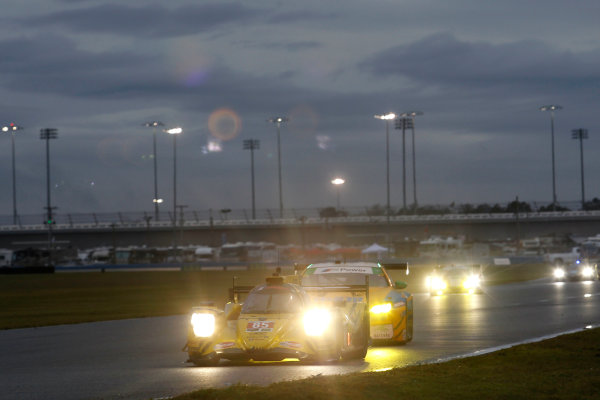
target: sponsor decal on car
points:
(224, 345)
(382, 331)
(293, 345)
(260, 326)
(344, 270)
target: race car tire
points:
(335, 352)
(361, 336)
(206, 361)
(409, 328)
(409, 324)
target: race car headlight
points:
(381, 308)
(587, 271)
(316, 321)
(438, 283)
(471, 282)
(559, 273)
(203, 324)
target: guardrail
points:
(132, 221)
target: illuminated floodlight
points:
(158, 201)
(11, 127)
(174, 131)
(386, 116)
(153, 124)
(214, 146)
(338, 181)
(551, 107)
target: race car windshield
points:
(337, 279)
(456, 272)
(272, 301)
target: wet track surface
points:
(141, 358)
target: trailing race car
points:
(454, 279)
(276, 321)
(391, 308)
(579, 270)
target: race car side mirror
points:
(401, 285)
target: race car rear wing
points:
(236, 291)
(395, 265)
(342, 289)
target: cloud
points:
(149, 21)
(53, 64)
(442, 59)
(300, 16)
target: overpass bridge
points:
(139, 229)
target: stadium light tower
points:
(13, 128)
(412, 115)
(552, 108)
(155, 200)
(278, 121)
(252, 144)
(47, 134)
(174, 132)
(581, 134)
(387, 117)
(403, 123)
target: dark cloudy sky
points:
(479, 70)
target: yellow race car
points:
(391, 308)
(278, 320)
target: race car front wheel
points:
(207, 361)
(360, 340)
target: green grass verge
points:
(566, 367)
(66, 298)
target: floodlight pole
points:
(47, 134)
(174, 132)
(252, 144)
(412, 115)
(552, 108)
(155, 200)
(581, 134)
(278, 121)
(387, 117)
(12, 128)
(404, 123)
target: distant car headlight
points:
(587, 271)
(316, 321)
(203, 324)
(438, 284)
(381, 308)
(559, 273)
(472, 282)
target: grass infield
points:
(566, 367)
(32, 300)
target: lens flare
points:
(304, 120)
(224, 124)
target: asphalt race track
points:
(141, 358)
